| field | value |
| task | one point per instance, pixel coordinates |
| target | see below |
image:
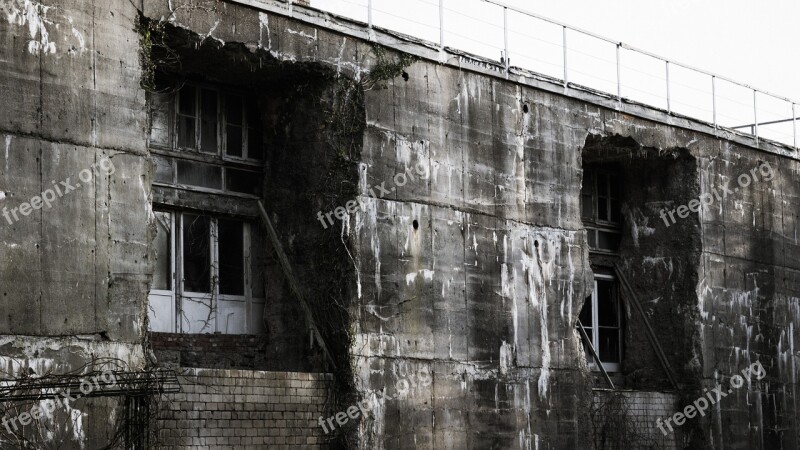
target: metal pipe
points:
(564, 33)
(669, 104)
(590, 346)
(441, 23)
(714, 99)
(794, 127)
(369, 13)
(505, 37)
(619, 81)
(755, 114)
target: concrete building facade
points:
(341, 237)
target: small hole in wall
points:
(405, 76)
(536, 244)
(525, 108)
(415, 224)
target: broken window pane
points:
(186, 136)
(208, 121)
(187, 117)
(162, 273)
(164, 171)
(586, 314)
(159, 119)
(231, 257)
(196, 253)
(243, 181)
(199, 174)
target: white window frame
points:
(207, 311)
(595, 328)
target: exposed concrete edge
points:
(465, 61)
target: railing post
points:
(369, 13)
(669, 104)
(714, 99)
(441, 23)
(505, 37)
(755, 114)
(619, 81)
(794, 127)
(564, 29)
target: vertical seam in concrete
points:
(94, 143)
(41, 184)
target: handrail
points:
(623, 91)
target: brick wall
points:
(627, 419)
(242, 409)
(215, 351)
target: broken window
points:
(216, 142)
(601, 209)
(218, 286)
(602, 319)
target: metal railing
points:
(676, 88)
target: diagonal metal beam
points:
(588, 342)
(651, 335)
(295, 287)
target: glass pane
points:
(586, 315)
(164, 171)
(602, 184)
(609, 345)
(602, 208)
(243, 181)
(258, 261)
(186, 135)
(208, 124)
(233, 110)
(608, 241)
(162, 274)
(196, 254)
(255, 143)
(233, 136)
(187, 99)
(159, 119)
(199, 174)
(615, 211)
(231, 257)
(607, 307)
(615, 188)
(592, 237)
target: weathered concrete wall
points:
(474, 274)
(477, 273)
(74, 272)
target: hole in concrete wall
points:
(405, 76)
(415, 224)
(525, 108)
(624, 187)
(536, 244)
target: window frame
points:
(214, 302)
(594, 332)
(222, 94)
(594, 225)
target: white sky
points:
(733, 38)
